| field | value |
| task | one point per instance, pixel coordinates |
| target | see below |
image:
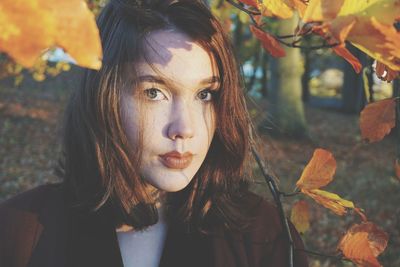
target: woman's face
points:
(175, 103)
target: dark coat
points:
(38, 230)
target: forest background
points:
(318, 107)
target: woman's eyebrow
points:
(159, 80)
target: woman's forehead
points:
(175, 56)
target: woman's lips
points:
(176, 160)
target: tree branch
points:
(277, 197)
(337, 257)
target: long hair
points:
(99, 166)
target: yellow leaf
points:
(277, 8)
(300, 216)
(298, 5)
(362, 243)
(330, 200)
(373, 31)
(319, 171)
(377, 119)
(378, 40)
(36, 25)
(321, 10)
(386, 11)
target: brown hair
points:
(98, 166)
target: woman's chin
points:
(171, 183)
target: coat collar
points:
(71, 238)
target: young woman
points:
(154, 157)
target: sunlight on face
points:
(175, 103)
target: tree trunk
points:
(305, 79)
(396, 94)
(255, 64)
(353, 94)
(285, 101)
(264, 78)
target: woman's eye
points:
(206, 95)
(154, 94)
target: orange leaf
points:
(330, 201)
(363, 243)
(77, 31)
(342, 51)
(319, 171)
(252, 3)
(300, 216)
(32, 26)
(25, 30)
(335, 33)
(269, 42)
(377, 119)
(385, 73)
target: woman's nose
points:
(181, 125)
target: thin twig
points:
(248, 11)
(289, 194)
(315, 253)
(277, 197)
(253, 13)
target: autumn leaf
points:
(278, 8)
(385, 73)
(253, 3)
(319, 171)
(377, 119)
(298, 5)
(368, 25)
(300, 216)
(335, 33)
(363, 243)
(330, 201)
(28, 28)
(77, 31)
(269, 42)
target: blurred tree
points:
(264, 77)
(285, 90)
(305, 79)
(353, 93)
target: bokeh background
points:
(318, 107)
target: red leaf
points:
(342, 51)
(269, 42)
(252, 3)
(377, 119)
(385, 73)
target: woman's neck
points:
(159, 198)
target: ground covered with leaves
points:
(30, 119)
